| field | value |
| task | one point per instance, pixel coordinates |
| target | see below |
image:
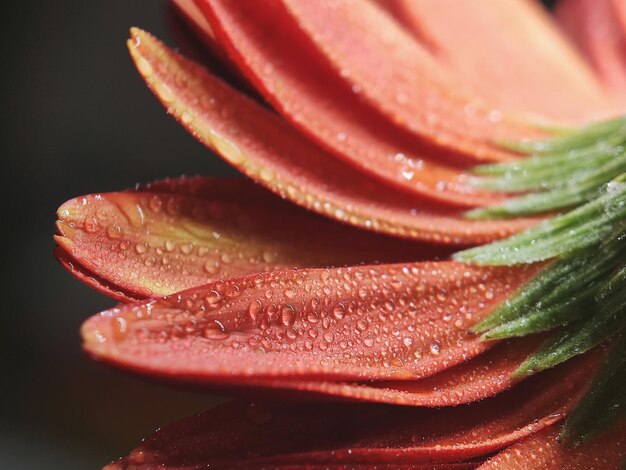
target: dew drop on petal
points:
(215, 330)
(288, 315)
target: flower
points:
(380, 113)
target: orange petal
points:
(369, 322)
(401, 79)
(598, 27)
(268, 150)
(294, 436)
(310, 95)
(526, 66)
(91, 279)
(479, 378)
(544, 450)
(147, 244)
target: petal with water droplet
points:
(434, 303)
(544, 450)
(510, 69)
(287, 70)
(268, 150)
(481, 377)
(256, 435)
(401, 79)
(162, 243)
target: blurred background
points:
(78, 119)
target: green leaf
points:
(605, 402)
(577, 338)
(580, 228)
(577, 138)
(547, 171)
(581, 187)
(581, 292)
(556, 284)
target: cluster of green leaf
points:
(580, 294)
(561, 173)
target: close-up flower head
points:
(422, 263)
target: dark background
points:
(77, 119)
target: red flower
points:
(380, 110)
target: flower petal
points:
(528, 68)
(198, 23)
(545, 451)
(598, 27)
(254, 436)
(268, 150)
(91, 279)
(310, 95)
(483, 376)
(369, 322)
(402, 79)
(148, 244)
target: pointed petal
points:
(310, 95)
(91, 279)
(256, 435)
(596, 28)
(545, 451)
(347, 323)
(401, 79)
(483, 376)
(526, 66)
(268, 150)
(149, 244)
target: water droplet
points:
(288, 315)
(269, 256)
(211, 267)
(407, 174)
(172, 207)
(213, 299)
(141, 248)
(91, 225)
(215, 330)
(312, 317)
(155, 203)
(435, 348)
(290, 293)
(102, 213)
(369, 341)
(254, 308)
(363, 293)
(115, 232)
(329, 336)
(120, 328)
(339, 311)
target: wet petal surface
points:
(266, 148)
